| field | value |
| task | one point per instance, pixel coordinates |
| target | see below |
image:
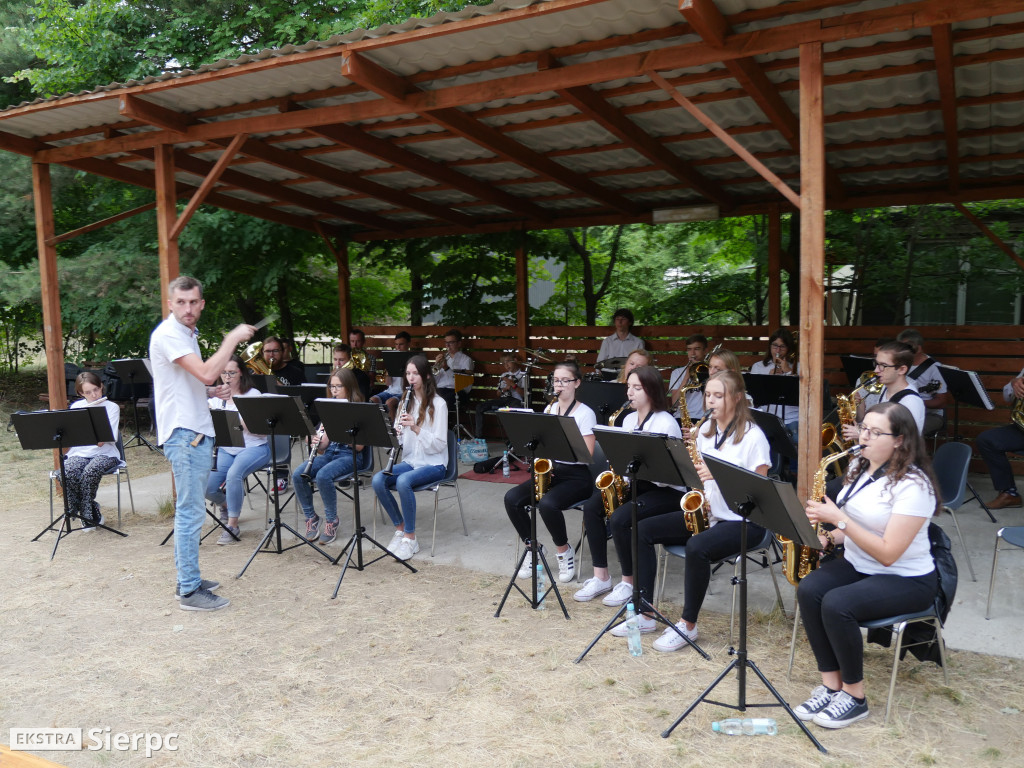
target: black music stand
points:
(557, 438)
(135, 371)
(778, 438)
(773, 391)
(366, 424)
(966, 386)
(270, 415)
(603, 397)
(41, 430)
(772, 504)
(395, 361)
(854, 366)
(645, 456)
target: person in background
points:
(357, 340)
(781, 361)
(85, 465)
(226, 486)
(274, 355)
(696, 351)
(924, 372)
(453, 360)
(892, 362)
(994, 444)
(510, 390)
(393, 394)
(622, 341)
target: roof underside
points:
(554, 113)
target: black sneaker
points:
(203, 600)
(820, 698)
(843, 710)
(207, 584)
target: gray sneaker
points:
(207, 584)
(224, 514)
(203, 600)
(226, 535)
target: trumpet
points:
(306, 473)
(439, 363)
(402, 410)
(695, 505)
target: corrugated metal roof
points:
(503, 139)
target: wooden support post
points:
(522, 293)
(166, 216)
(812, 260)
(49, 287)
(344, 291)
(774, 268)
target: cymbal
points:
(611, 362)
(465, 372)
(540, 354)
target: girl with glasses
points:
(225, 484)
(651, 413)
(424, 426)
(881, 516)
(331, 462)
(569, 483)
(781, 361)
(85, 465)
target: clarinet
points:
(306, 473)
(394, 452)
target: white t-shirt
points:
(751, 453)
(585, 419)
(694, 397)
(519, 377)
(430, 447)
(930, 381)
(107, 449)
(871, 507)
(613, 346)
(913, 403)
(460, 361)
(1008, 395)
(658, 423)
(251, 440)
(788, 413)
(180, 396)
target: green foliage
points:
(19, 335)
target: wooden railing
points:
(996, 353)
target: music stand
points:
(773, 390)
(772, 504)
(855, 366)
(603, 397)
(645, 456)
(558, 438)
(966, 386)
(778, 438)
(395, 362)
(269, 415)
(41, 430)
(227, 429)
(135, 371)
(366, 424)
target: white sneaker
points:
(671, 641)
(395, 541)
(566, 565)
(592, 587)
(647, 625)
(620, 595)
(527, 568)
(407, 548)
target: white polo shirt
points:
(180, 396)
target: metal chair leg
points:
(967, 555)
(991, 581)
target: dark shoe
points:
(203, 600)
(842, 711)
(1003, 501)
(207, 584)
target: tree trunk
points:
(793, 280)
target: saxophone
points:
(614, 416)
(542, 467)
(846, 407)
(696, 508)
(613, 491)
(798, 560)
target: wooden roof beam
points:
(593, 105)
(379, 80)
(706, 20)
(71, 234)
(133, 107)
(996, 240)
(945, 72)
(208, 184)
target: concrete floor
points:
(491, 547)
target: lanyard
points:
(567, 410)
(855, 489)
(719, 442)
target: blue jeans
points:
(326, 469)
(191, 468)
(404, 479)
(231, 470)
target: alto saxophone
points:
(614, 416)
(613, 491)
(542, 467)
(695, 505)
(798, 560)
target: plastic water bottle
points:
(506, 470)
(633, 632)
(541, 587)
(756, 726)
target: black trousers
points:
(718, 541)
(835, 597)
(651, 500)
(569, 484)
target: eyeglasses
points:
(230, 374)
(335, 387)
(778, 346)
(875, 433)
(451, 343)
(271, 350)
(883, 366)
(563, 382)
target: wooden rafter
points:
(208, 184)
(996, 240)
(100, 224)
(942, 42)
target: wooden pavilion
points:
(530, 114)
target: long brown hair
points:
(736, 390)
(348, 380)
(654, 386)
(909, 457)
(429, 385)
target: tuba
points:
(695, 506)
(798, 560)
